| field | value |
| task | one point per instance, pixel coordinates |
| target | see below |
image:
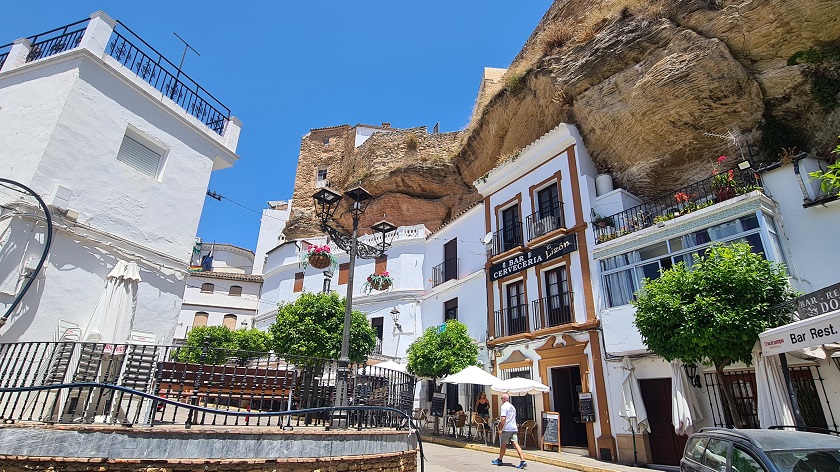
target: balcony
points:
(675, 204)
(511, 320)
(447, 270)
(554, 310)
(544, 221)
(507, 239)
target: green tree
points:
(222, 344)
(713, 311)
(312, 327)
(830, 178)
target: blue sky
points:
(284, 67)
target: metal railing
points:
(554, 310)
(699, 195)
(511, 320)
(507, 239)
(447, 270)
(163, 75)
(544, 221)
(75, 382)
(4, 53)
(58, 40)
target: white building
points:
(228, 295)
(122, 152)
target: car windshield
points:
(806, 460)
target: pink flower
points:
(721, 159)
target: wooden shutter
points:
(298, 282)
(381, 264)
(343, 273)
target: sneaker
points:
(522, 465)
(496, 462)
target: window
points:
(235, 291)
(557, 303)
(207, 288)
(381, 264)
(742, 461)
(378, 326)
(549, 215)
(450, 260)
(322, 174)
(515, 310)
(298, 282)
(716, 452)
(326, 140)
(694, 449)
(140, 156)
(623, 275)
(343, 273)
(511, 229)
(450, 310)
(200, 319)
(229, 321)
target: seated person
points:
(457, 410)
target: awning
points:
(816, 331)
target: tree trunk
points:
(729, 395)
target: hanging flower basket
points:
(381, 282)
(319, 257)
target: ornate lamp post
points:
(326, 203)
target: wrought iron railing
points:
(4, 53)
(674, 204)
(544, 221)
(507, 239)
(163, 75)
(554, 310)
(75, 382)
(55, 41)
(511, 320)
(447, 270)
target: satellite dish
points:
(487, 238)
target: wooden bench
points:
(225, 385)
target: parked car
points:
(760, 450)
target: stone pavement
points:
(559, 459)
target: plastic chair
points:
(527, 429)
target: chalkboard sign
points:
(587, 408)
(550, 423)
(438, 403)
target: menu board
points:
(550, 423)
(587, 407)
(438, 404)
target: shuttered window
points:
(298, 282)
(140, 156)
(343, 273)
(381, 264)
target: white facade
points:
(272, 223)
(63, 120)
(229, 295)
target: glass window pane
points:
(654, 251)
(743, 462)
(754, 240)
(676, 244)
(715, 456)
(694, 449)
(619, 288)
(649, 271)
(749, 222)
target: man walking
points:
(507, 431)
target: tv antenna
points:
(186, 47)
(732, 135)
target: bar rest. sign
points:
(550, 427)
(438, 403)
(587, 408)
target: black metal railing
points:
(55, 41)
(167, 78)
(4, 53)
(554, 310)
(447, 270)
(511, 320)
(696, 196)
(507, 239)
(544, 221)
(75, 382)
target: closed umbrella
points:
(633, 408)
(685, 411)
(114, 313)
(773, 402)
(518, 386)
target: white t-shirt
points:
(509, 412)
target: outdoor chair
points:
(482, 429)
(457, 424)
(528, 428)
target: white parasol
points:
(114, 313)
(518, 386)
(684, 407)
(471, 375)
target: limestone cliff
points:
(646, 82)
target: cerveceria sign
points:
(537, 255)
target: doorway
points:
(566, 388)
(666, 447)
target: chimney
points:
(386, 125)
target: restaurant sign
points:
(818, 303)
(538, 255)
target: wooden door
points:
(666, 448)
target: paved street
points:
(445, 459)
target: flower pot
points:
(380, 284)
(724, 193)
(319, 260)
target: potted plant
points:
(319, 257)
(602, 221)
(723, 182)
(382, 281)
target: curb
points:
(512, 453)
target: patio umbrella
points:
(518, 386)
(471, 375)
(114, 312)
(684, 409)
(390, 365)
(633, 408)
(773, 402)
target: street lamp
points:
(326, 203)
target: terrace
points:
(111, 39)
